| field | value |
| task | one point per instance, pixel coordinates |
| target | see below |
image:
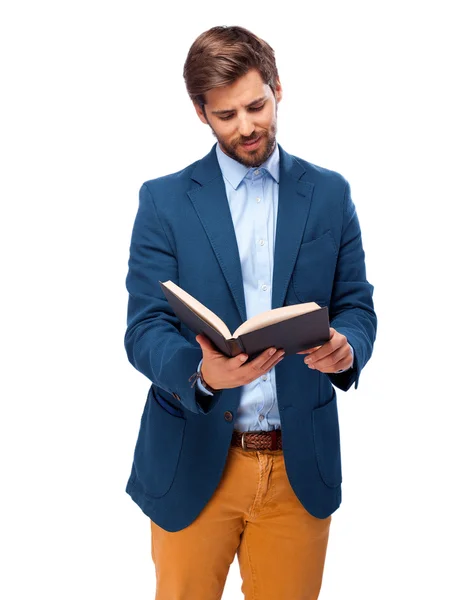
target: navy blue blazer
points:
(183, 231)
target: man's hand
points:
(222, 372)
(333, 356)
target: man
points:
(238, 456)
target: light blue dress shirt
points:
(253, 195)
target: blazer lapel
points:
(211, 205)
(210, 202)
(295, 197)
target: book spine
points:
(235, 347)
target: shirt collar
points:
(234, 172)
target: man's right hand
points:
(222, 372)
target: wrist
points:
(204, 381)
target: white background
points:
(93, 104)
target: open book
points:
(294, 328)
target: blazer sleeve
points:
(153, 340)
(351, 308)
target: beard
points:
(251, 158)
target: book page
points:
(275, 315)
(202, 311)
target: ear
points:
(200, 113)
(278, 90)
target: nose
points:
(245, 126)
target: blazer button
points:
(175, 396)
(228, 416)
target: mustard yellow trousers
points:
(254, 513)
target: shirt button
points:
(264, 377)
(256, 172)
(264, 287)
(228, 416)
(258, 199)
(261, 417)
(261, 242)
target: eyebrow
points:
(230, 110)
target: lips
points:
(252, 143)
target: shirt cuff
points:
(199, 385)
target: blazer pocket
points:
(314, 270)
(327, 442)
(169, 407)
(158, 447)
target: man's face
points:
(243, 118)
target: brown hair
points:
(221, 55)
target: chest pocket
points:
(314, 270)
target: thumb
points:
(205, 343)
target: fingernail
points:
(272, 351)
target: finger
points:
(275, 363)
(331, 363)
(237, 361)
(205, 341)
(326, 368)
(262, 362)
(326, 351)
(277, 357)
(206, 345)
(266, 356)
(240, 359)
(314, 349)
(201, 339)
(316, 358)
(265, 360)
(335, 343)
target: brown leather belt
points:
(258, 440)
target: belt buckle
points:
(244, 443)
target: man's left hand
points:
(333, 356)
